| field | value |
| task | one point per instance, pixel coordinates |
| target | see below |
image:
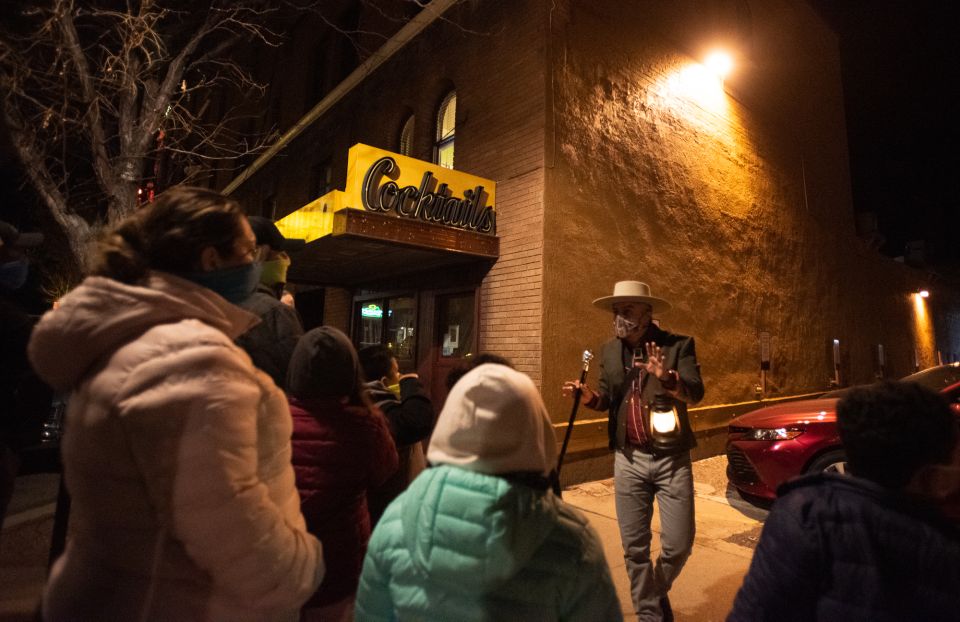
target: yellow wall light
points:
(699, 85)
(923, 331)
(719, 63)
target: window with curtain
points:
(446, 127)
(406, 137)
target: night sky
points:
(899, 63)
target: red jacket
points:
(339, 452)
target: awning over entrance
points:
(369, 247)
(395, 216)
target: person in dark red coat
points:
(342, 447)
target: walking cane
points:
(577, 394)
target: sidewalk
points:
(727, 530)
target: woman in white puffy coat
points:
(177, 450)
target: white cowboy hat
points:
(632, 291)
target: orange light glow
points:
(719, 63)
(923, 332)
(696, 83)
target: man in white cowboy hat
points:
(647, 378)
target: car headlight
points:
(772, 434)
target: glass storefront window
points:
(401, 323)
(391, 322)
(455, 328)
(370, 323)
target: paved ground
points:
(727, 530)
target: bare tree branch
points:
(98, 141)
(104, 97)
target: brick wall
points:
(492, 54)
(512, 293)
(336, 308)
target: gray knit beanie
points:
(324, 364)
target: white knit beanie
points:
(494, 421)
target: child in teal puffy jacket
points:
(480, 536)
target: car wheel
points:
(831, 462)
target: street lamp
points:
(719, 63)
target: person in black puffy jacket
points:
(872, 546)
(409, 412)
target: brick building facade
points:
(735, 207)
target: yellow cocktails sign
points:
(390, 183)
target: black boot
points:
(666, 609)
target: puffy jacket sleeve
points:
(374, 603)
(411, 419)
(384, 460)
(781, 583)
(216, 462)
(592, 595)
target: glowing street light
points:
(719, 63)
(923, 293)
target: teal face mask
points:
(13, 274)
(233, 284)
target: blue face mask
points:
(234, 284)
(13, 274)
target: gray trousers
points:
(638, 477)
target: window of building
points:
(446, 127)
(406, 137)
(390, 321)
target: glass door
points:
(391, 321)
(400, 337)
(368, 320)
(453, 338)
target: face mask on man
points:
(275, 271)
(13, 274)
(622, 326)
(234, 284)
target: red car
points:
(768, 446)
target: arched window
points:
(446, 127)
(406, 137)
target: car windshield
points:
(936, 378)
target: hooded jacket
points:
(469, 545)
(177, 458)
(838, 547)
(411, 420)
(340, 450)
